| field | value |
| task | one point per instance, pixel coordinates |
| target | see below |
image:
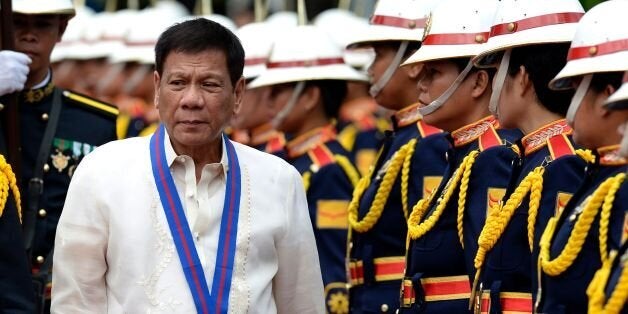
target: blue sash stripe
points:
(182, 236)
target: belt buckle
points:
(477, 299)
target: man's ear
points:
(481, 84)
(156, 84)
(310, 97)
(238, 90)
(523, 81)
(601, 110)
(414, 70)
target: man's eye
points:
(176, 83)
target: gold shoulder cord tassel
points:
(8, 181)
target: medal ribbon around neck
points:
(218, 301)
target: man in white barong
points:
(186, 220)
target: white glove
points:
(13, 71)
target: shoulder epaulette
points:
(321, 156)
(347, 136)
(426, 129)
(91, 104)
(559, 146)
(489, 139)
(275, 144)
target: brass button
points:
(46, 168)
(1, 106)
(512, 27)
(412, 24)
(593, 51)
(479, 38)
(42, 213)
(40, 259)
(384, 308)
(44, 117)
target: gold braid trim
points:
(586, 154)
(416, 229)
(381, 196)
(348, 168)
(536, 189)
(462, 195)
(498, 218)
(307, 176)
(597, 298)
(604, 194)
(8, 182)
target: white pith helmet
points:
(256, 39)
(456, 33)
(599, 45)
(396, 20)
(529, 22)
(344, 27)
(305, 53)
(63, 7)
(72, 34)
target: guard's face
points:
(593, 123)
(195, 97)
(36, 36)
(255, 109)
(398, 92)
(435, 78)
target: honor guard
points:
(308, 79)
(531, 38)
(360, 126)
(409, 166)
(255, 114)
(58, 127)
(590, 229)
(16, 289)
(444, 226)
(608, 291)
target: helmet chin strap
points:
(623, 147)
(281, 115)
(392, 67)
(498, 83)
(577, 98)
(442, 99)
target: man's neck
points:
(37, 78)
(535, 117)
(202, 155)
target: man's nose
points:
(192, 97)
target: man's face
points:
(36, 36)
(195, 97)
(255, 110)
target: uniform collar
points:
(609, 156)
(407, 116)
(39, 91)
(305, 142)
(262, 134)
(538, 138)
(171, 155)
(473, 131)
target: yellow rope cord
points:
(348, 168)
(596, 293)
(381, 196)
(498, 218)
(405, 177)
(536, 189)
(8, 182)
(307, 176)
(603, 194)
(462, 195)
(586, 154)
(416, 229)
